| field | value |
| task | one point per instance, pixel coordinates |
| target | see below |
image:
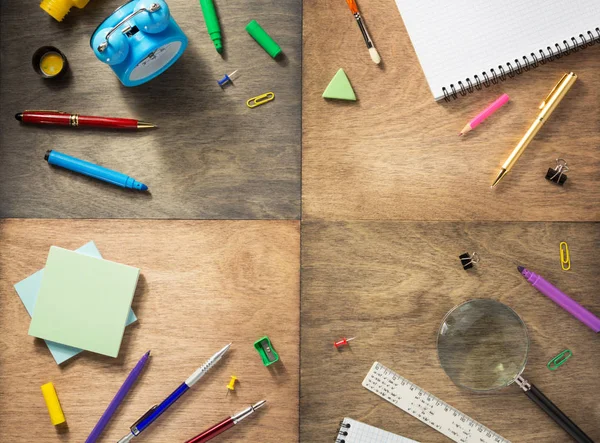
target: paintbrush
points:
(363, 29)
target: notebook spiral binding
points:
(517, 67)
(343, 432)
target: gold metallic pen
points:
(547, 107)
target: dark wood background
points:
(211, 158)
(391, 283)
(205, 284)
(395, 153)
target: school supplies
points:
(260, 99)
(229, 422)
(343, 342)
(565, 257)
(57, 416)
(139, 41)
(464, 48)
(231, 384)
(228, 78)
(28, 289)
(483, 345)
(58, 9)
(468, 260)
(263, 39)
(352, 431)
(557, 175)
(212, 23)
(83, 301)
(561, 299)
(363, 29)
(118, 398)
(156, 411)
(56, 158)
(49, 62)
(266, 351)
(57, 118)
(483, 115)
(559, 360)
(547, 107)
(426, 407)
(339, 87)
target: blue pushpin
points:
(227, 79)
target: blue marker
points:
(156, 411)
(86, 168)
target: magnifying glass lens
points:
(482, 345)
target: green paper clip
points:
(267, 352)
(559, 360)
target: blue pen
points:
(90, 169)
(155, 411)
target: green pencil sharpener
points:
(267, 352)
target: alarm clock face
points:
(155, 61)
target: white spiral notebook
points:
(464, 45)
(352, 431)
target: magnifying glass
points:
(483, 344)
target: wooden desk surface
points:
(395, 153)
(391, 283)
(211, 158)
(203, 284)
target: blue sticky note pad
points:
(28, 290)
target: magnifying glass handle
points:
(553, 411)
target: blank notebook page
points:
(456, 40)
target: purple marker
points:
(116, 401)
(561, 299)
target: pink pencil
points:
(500, 101)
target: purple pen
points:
(561, 299)
(119, 396)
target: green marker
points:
(212, 23)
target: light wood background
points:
(203, 284)
(211, 158)
(391, 283)
(395, 153)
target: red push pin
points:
(342, 342)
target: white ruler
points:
(426, 407)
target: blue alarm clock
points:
(139, 41)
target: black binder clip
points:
(467, 261)
(557, 175)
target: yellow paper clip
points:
(260, 99)
(565, 258)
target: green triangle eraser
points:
(339, 87)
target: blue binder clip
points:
(139, 41)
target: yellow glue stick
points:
(56, 413)
(60, 8)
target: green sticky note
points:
(83, 301)
(339, 87)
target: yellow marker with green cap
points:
(212, 23)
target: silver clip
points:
(133, 427)
(467, 261)
(557, 175)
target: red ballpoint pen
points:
(58, 118)
(217, 429)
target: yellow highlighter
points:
(57, 416)
(60, 8)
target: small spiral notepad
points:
(352, 431)
(464, 45)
